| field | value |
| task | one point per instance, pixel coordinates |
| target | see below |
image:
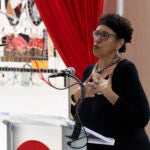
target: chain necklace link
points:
(114, 61)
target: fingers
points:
(110, 79)
(91, 89)
(96, 84)
(105, 85)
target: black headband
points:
(112, 25)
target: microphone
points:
(65, 72)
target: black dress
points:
(124, 121)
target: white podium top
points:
(33, 119)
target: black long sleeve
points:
(132, 106)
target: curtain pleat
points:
(70, 24)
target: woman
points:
(115, 104)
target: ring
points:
(96, 81)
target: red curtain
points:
(70, 24)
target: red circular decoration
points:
(34, 145)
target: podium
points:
(24, 132)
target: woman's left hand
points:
(104, 86)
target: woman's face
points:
(105, 42)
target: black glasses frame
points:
(103, 35)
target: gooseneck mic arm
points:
(78, 122)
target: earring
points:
(119, 54)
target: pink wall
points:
(138, 51)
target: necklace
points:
(114, 61)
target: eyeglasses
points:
(102, 35)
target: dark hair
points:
(120, 25)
